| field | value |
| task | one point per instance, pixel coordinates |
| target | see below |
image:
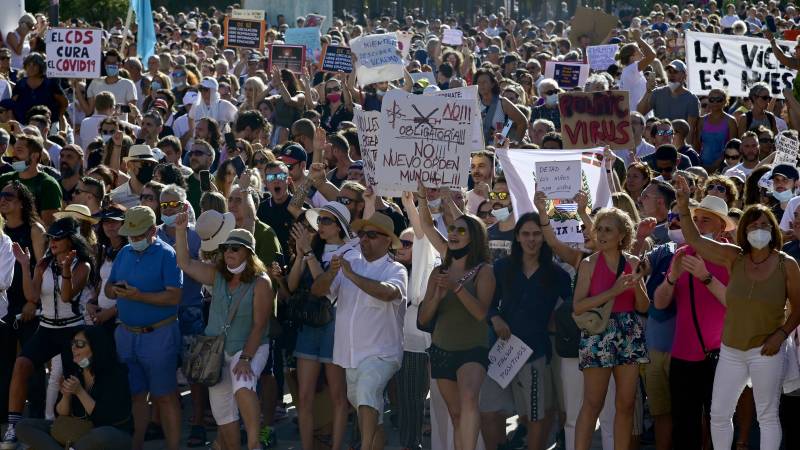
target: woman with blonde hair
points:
(624, 202)
(253, 89)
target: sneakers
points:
(9, 439)
(267, 437)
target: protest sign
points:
(506, 358)
(248, 14)
(367, 125)
(74, 52)
(314, 20)
(592, 119)
(404, 42)
(469, 93)
(308, 37)
(601, 56)
(559, 180)
(336, 59)
(378, 58)
(786, 150)
(453, 37)
(735, 63)
(424, 75)
(423, 139)
(568, 75)
(291, 57)
(244, 33)
(593, 24)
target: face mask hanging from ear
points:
(237, 270)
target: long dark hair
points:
(83, 252)
(751, 214)
(27, 202)
(546, 264)
(478, 247)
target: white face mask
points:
(783, 196)
(759, 238)
(84, 363)
(674, 85)
(105, 137)
(237, 270)
(435, 204)
(709, 236)
(676, 236)
(501, 214)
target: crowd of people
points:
(196, 193)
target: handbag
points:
(428, 327)
(595, 321)
(711, 355)
(306, 309)
(67, 430)
(206, 355)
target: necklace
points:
(762, 261)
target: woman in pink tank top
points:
(611, 275)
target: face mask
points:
(333, 97)
(435, 204)
(169, 220)
(155, 86)
(105, 138)
(112, 70)
(759, 238)
(237, 270)
(145, 174)
(178, 83)
(784, 196)
(19, 166)
(676, 236)
(84, 363)
(708, 236)
(501, 214)
(140, 246)
(551, 99)
(674, 85)
(380, 92)
(459, 253)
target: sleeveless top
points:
(456, 329)
(16, 297)
(221, 300)
(17, 60)
(755, 308)
(768, 121)
(55, 312)
(713, 138)
(493, 118)
(603, 279)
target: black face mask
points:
(459, 253)
(444, 86)
(145, 173)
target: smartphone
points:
(125, 109)
(205, 180)
(238, 164)
(230, 140)
(771, 24)
(506, 129)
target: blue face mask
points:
(169, 220)
(19, 166)
(784, 196)
(141, 245)
(112, 70)
(155, 86)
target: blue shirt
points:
(660, 328)
(192, 290)
(526, 304)
(153, 270)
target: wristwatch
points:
(707, 280)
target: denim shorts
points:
(152, 359)
(315, 343)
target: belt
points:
(61, 322)
(151, 328)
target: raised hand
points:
(540, 202)
(22, 255)
(682, 190)
(182, 221)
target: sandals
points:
(197, 437)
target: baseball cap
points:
(678, 65)
(138, 220)
(786, 170)
(293, 154)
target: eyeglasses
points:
(346, 200)
(757, 226)
(716, 187)
(664, 132)
(232, 247)
(79, 343)
(7, 195)
(259, 161)
(370, 234)
(147, 198)
(270, 177)
(729, 156)
(171, 204)
(333, 89)
(325, 221)
(716, 99)
(406, 243)
(498, 195)
(454, 229)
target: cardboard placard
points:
(404, 42)
(308, 37)
(74, 52)
(248, 14)
(469, 93)
(568, 75)
(506, 358)
(594, 23)
(336, 58)
(559, 180)
(593, 119)
(368, 126)
(291, 57)
(601, 56)
(378, 58)
(786, 150)
(735, 64)
(453, 37)
(240, 33)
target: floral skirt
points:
(621, 343)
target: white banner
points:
(367, 124)
(469, 93)
(735, 63)
(74, 52)
(506, 358)
(248, 14)
(378, 58)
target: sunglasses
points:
(147, 198)
(498, 195)
(7, 195)
(664, 132)
(716, 99)
(729, 156)
(325, 221)
(231, 247)
(454, 229)
(406, 243)
(551, 92)
(766, 98)
(345, 200)
(270, 177)
(716, 187)
(290, 166)
(79, 343)
(371, 234)
(171, 204)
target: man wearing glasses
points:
(201, 157)
(276, 209)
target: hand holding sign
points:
(559, 180)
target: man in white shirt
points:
(370, 290)
(730, 18)
(123, 89)
(749, 151)
(135, 68)
(104, 107)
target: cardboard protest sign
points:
(592, 23)
(378, 58)
(568, 75)
(601, 56)
(74, 52)
(593, 119)
(786, 150)
(308, 37)
(368, 126)
(423, 139)
(506, 358)
(404, 42)
(453, 37)
(559, 180)
(336, 59)
(242, 33)
(424, 75)
(469, 93)
(291, 57)
(248, 14)
(735, 63)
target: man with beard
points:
(152, 124)
(71, 168)
(140, 163)
(201, 157)
(749, 150)
(46, 190)
(249, 126)
(482, 172)
(42, 123)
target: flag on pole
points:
(146, 35)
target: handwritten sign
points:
(336, 59)
(289, 57)
(601, 56)
(453, 37)
(468, 93)
(378, 58)
(423, 139)
(506, 358)
(308, 37)
(569, 231)
(404, 42)
(568, 75)
(558, 179)
(74, 52)
(244, 33)
(368, 127)
(248, 14)
(593, 119)
(786, 150)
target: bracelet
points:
(245, 358)
(458, 289)
(671, 283)
(545, 225)
(308, 252)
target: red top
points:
(603, 278)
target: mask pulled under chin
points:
(84, 363)
(501, 214)
(459, 252)
(237, 270)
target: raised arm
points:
(648, 54)
(199, 271)
(782, 57)
(438, 241)
(413, 214)
(566, 253)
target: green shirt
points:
(268, 248)
(45, 189)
